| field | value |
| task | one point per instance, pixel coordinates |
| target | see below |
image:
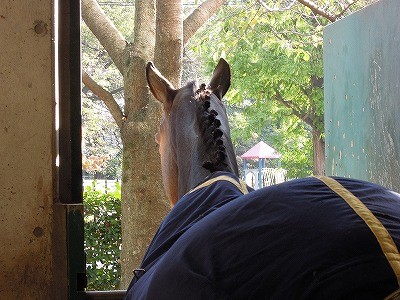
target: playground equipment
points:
(263, 175)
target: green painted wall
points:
(362, 95)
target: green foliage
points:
(288, 135)
(102, 238)
(277, 73)
(270, 54)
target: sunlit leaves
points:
(270, 53)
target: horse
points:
(309, 238)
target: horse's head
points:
(194, 138)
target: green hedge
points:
(102, 238)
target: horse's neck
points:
(191, 171)
(189, 178)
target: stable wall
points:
(32, 247)
(362, 95)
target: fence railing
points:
(103, 185)
(269, 176)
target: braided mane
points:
(210, 131)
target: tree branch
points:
(305, 117)
(145, 29)
(198, 17)
(105, 31)
(312, 6)
(338, 16)
(270, 9)
(318, 11)
(137, 55)
(107, 98)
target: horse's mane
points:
(210, 132)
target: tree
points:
(159, 34)
(275, 49)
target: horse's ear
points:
(221, 79)
(160, 87)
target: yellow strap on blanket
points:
(393, 296)
(382, 235)
(240, 185)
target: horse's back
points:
(296, 240)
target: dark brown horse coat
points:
(295, 240)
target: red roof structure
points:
(261, 150)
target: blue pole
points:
(260, 163)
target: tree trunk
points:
(319, 153)
(143, 200)
(199, 16)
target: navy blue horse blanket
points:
(295, 240)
